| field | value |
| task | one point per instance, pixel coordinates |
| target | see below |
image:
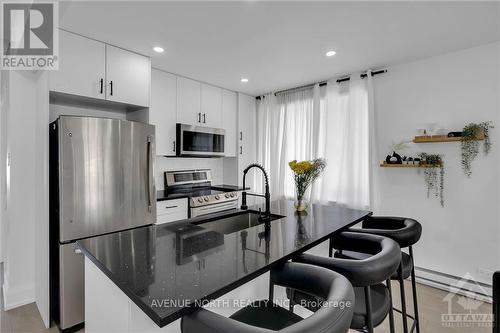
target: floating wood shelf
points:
(387, 165)
(442, 138)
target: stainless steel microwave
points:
(199, 141)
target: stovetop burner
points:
(194, 191)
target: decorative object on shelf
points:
(455, 134)
(470, 145)
(431, 128)
(305, 173)
(433, 180)
(395, 147)
(395, 158)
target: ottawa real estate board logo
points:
(30, 35)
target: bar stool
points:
(406, 232)
(373, 298)
(265, 316)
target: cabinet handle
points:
(204, 118)
(170, 207)
(102, 86)
(111, 87)
(241, 136)
(199, 117)
(173, 148)
(241, 150)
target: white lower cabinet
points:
(171, 210)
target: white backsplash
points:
(172, 163)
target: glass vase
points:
(301, 205)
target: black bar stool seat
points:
(381, 304)
(406, 261)
(266, 317)
(406, 232)
(373, 299)
(266, 314)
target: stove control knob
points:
(226, 195)
(206, 199)
(200, 200)
(217, 197)
(232, 195)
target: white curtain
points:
(332, 122)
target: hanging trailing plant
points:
(470, 144)
(434, 180)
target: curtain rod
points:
(324, 83)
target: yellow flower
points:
(300, 167)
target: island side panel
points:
(109, 310)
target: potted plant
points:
(470, 144)
(305, 172)
(434, 181)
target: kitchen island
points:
(144, 279)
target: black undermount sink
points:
(236, 222)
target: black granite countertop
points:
(164, 195)
(201, 259)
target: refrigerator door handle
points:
(150, 173)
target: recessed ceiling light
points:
(331, 53)
(244, 80)
(158, 49)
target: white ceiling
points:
(280, 45)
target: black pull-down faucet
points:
(267, 195)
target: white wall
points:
(19, 275)
(41, 191)
(452, 89)
(172, 163)
(3, 156)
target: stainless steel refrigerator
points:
(101, 181)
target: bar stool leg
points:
(414, 290)
(403, 300)
(368, 302)
(271, 290)
(391, 310)
(330, 248)
(292, 297)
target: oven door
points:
(199, 141)
(214, 208)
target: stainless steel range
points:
(203, 197)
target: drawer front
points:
(166, 218)
(171, 210)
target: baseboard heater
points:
(465, 285)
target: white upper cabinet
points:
(90, 68)
(128, 76)
(211, 106)
(162, 112)
(229, 121)
(188, 101)
(82, 66)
